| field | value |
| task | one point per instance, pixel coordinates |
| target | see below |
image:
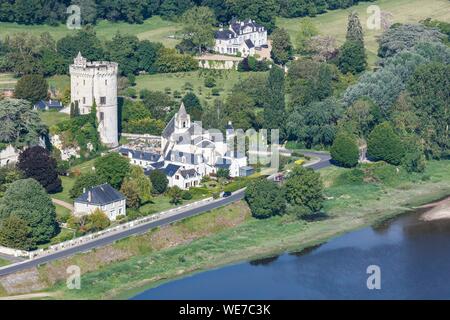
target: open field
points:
(334, 23)
(7, 81)
(153, 29)
(121, 270)
(175, 81)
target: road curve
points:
(236, 196)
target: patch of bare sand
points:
(439, 210)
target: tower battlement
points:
(97, 81)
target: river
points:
(413, 257)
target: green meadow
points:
(153, 29)
(334, 23)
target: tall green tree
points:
(15, 233)
(193, 106)
(384, 144)
(20, 125)
(274, 108)
(344, 150)
(354, 28)
(265, 199)
(304, 190)
(28, 200)
(281, 46)
(112, 168)
(159, 181)
(31, 87)
(429, 91)
(352, 56)
(198, 27)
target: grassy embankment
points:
(3, 262)
(133, 264)
(334, 23)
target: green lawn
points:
(334, 23)
(153, 29)
(68, 182)
(175, 81)
(51, 118)
(7, 80)
(3, 262)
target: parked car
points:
(226, 194)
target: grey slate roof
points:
(100, 195)
(188, 173)
(51, 104)
(171, 169)
(237, 26)
(223, 34)
(178, 155)
(169, 129)
(249, 43)
(140, 155)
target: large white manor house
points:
(241, 37)
(97, 80)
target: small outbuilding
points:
(48, 105)
(246, 171)
(103, 197)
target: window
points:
(102, 100)
(177, 177)
(84, 82)
(106, 82)
(120, 210)
(84, 100)
(102, 116)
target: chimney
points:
(89, 196)
(84, 190)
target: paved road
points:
(322, 163)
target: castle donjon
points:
(97, 81)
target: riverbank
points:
(439, 210)
(132, 265)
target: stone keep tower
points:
(97, 80)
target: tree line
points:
(54, 12)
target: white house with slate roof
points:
(141, 158)
(189, 152)
(241, 36)
(103, 197)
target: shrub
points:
(159, 181)
(265, 198)
(187, 195)
(344, 150)
(384, 144)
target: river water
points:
(413, 257)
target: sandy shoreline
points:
(438, 210)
